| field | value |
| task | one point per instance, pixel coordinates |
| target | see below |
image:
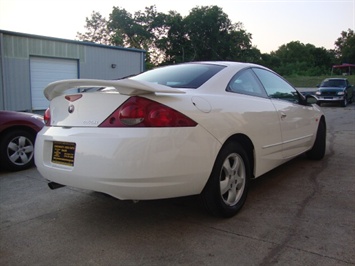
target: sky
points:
(272, 23)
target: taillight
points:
(142, 112)
(47, 117)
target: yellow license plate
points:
(63, 153)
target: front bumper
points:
(137, 164)
(330, 98)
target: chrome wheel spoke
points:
(14, 157)
(28, 149)
(22, 141)
(239, 182)
(227, 167)
(232, 179)
(24, 157)
(12, 146)
(224, 186)
(232, 195)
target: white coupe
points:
(203, 128)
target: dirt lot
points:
(302, 213)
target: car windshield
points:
(181, 76)
(333, 83)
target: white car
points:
(203, 128)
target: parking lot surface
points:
(302, 213)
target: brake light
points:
(142, 112)
(73, 98)
(47, 117)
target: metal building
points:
(29, 62)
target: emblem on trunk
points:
(71, 109)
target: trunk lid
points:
(90, 109)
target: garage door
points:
(45, 71)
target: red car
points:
(18, 132)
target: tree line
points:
(207, 33)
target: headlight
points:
(318, 93)
(340, 93)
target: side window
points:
(276, 87)
(245, 82)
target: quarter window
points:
(276, 87)
(245, 82)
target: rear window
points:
(181, 76)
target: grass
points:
(312, 82)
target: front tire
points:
(227, 188)
(318, 150)
(344, 103)
(17, 150)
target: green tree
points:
(214, 37)
(97, 31)
(296, 58)
(140, 30)
(345, 47)
(205, 34)
(124, 26)
(174, 44)
(270, 61)
(291, 52)
(321, 61)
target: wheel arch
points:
(12, 128)
(247, 145)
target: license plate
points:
(63, 153)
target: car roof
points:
(224, 63)
(231, 65)
(336, 79)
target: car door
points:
(249, 103)
(295, 118)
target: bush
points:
(313, 81)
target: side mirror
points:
(310, 99)
(318, 85)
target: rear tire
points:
(318, 150)
(227, 188)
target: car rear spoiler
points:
(123, 86)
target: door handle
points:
(283, 115)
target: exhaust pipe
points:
(53, 185)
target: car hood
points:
(332, 89)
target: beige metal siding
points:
(94, 61)
(99, 63)
(22, 47)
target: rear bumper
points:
(135, 164)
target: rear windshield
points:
(181, 76)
